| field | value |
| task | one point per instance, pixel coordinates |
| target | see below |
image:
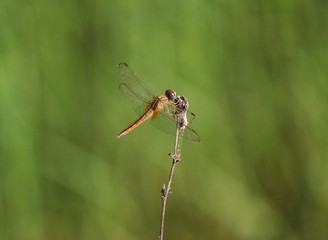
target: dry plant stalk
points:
(182, 105)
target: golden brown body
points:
(157, 104)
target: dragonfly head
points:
(170, 94)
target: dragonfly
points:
(159, 108)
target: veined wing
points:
(137, 102)
(167, 123)
(129, 78)
(190, 116)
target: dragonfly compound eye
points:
(170, 94)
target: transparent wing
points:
(137, 102)
(167, 124)
(128, 77)
(190, 116)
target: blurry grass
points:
(255, 74)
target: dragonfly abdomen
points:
(136, 123)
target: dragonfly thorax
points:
(158, 103)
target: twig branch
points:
(166, 189)
(181, 104)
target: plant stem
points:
(166, 189)
(180, 114)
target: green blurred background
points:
(255, 74)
